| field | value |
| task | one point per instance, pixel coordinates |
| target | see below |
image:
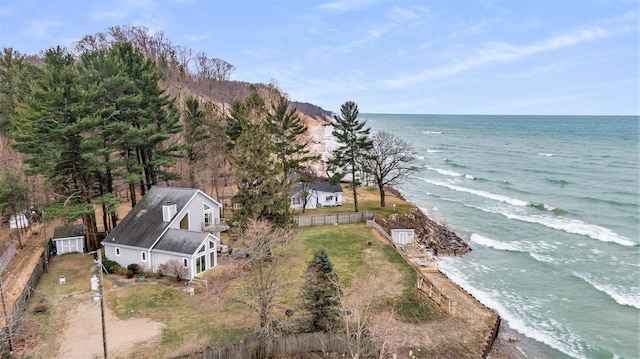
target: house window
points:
(143, 256)
(201, 266)
(185, 262)
(297, 201)
(184, 222)
(329, 198)
(208, 215)
(117, 251)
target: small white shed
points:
(402, 236)
(69, 239)
(18, 220)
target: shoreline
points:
(505, 345)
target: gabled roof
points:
(320, 186)
(143, 225)
(181, 241)
(76, 230)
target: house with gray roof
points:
(316, 194)
(169, 223)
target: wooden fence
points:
(14, 314)
(289, 346)
(331, 219)
(428, 289)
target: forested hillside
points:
(123, 110)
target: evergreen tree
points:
(320, 294)
(50, 129)
(286, 128)
(196, 133)
(351, 134)
(261, 191)
(157, 119)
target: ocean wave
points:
(545, 154)
(573, 226)
(546, 207)
(453, 164)
(629, 299)
(433, 151)
(609, 201)
(431, 132)
(488, 195)
(445, 172)
(492, 243)
(566, 342)
(559, 182)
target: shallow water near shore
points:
(550, 206)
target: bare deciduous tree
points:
(265, 244)
(391, 160)
(173, 268)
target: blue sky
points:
(446, 57)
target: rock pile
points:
(431, 235)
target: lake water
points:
(550, 206)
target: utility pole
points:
(101, 288)
(104, 327)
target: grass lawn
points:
(193, 322)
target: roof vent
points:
(168, 211)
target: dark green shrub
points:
(129, 273)
(134, 268)
(111, 266)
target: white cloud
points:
(346, 5)
(500, 52)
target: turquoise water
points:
(550, 206)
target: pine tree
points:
(352, 136)
(320, 294)
(50, 129)
(196, 133)
(286, 128)
(261, 191)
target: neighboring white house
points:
(318, 194)
(168, 223)
(68, 239)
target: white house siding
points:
(128, 255)
(336, 199)
(161, 257)
(196, 214)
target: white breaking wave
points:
(546, 154)
(492, 243)
(568, 225)
(489, 195)
(566, 345)
(432, 132)
(632, 299)
(445, 172)
(433, 151)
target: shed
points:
(69, 239)
(402, 236)
(18, 220)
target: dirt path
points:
(81, 332)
